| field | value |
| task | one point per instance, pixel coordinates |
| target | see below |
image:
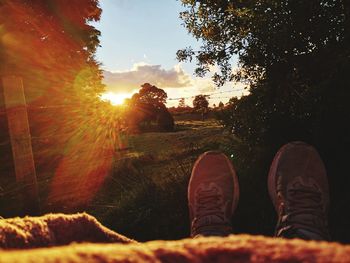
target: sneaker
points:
(298, 188)
(213, 194)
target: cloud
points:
(175, 81)
(130, 80)
(203, 85)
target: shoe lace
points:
(209, 202)
(210, 217)
(305, 200)
(305, 209)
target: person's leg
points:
(298, 188)
(213, 194)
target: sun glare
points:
(115, 98)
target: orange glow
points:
(87, 161)
(74, 134)
(115, 98)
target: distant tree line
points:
(200, 105)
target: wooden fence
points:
(20, 139)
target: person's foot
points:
(213, 194)
(298, 188)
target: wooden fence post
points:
(20, 138)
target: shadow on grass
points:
(142, 208)
(146, 206)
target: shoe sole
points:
(233, 173)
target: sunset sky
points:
(139, 43)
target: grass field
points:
(145, 196)
(144, 193)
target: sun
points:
(115, 98)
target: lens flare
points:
(87, 160)
(75, 135)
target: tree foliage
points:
(182, 103)
(51, 44)
(200, 103)
(150, 94)
(295, 58)
(147, 109)
(293, 54)
(264, 34)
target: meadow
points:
(145, 195)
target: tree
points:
(65, 39)
(152, 95)
(263, 36)
(221, 105)
(165, 120)
(292, 53)
(201, 104)
(182, 103)
(295, 57)
(147, 108)
(51, 44)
